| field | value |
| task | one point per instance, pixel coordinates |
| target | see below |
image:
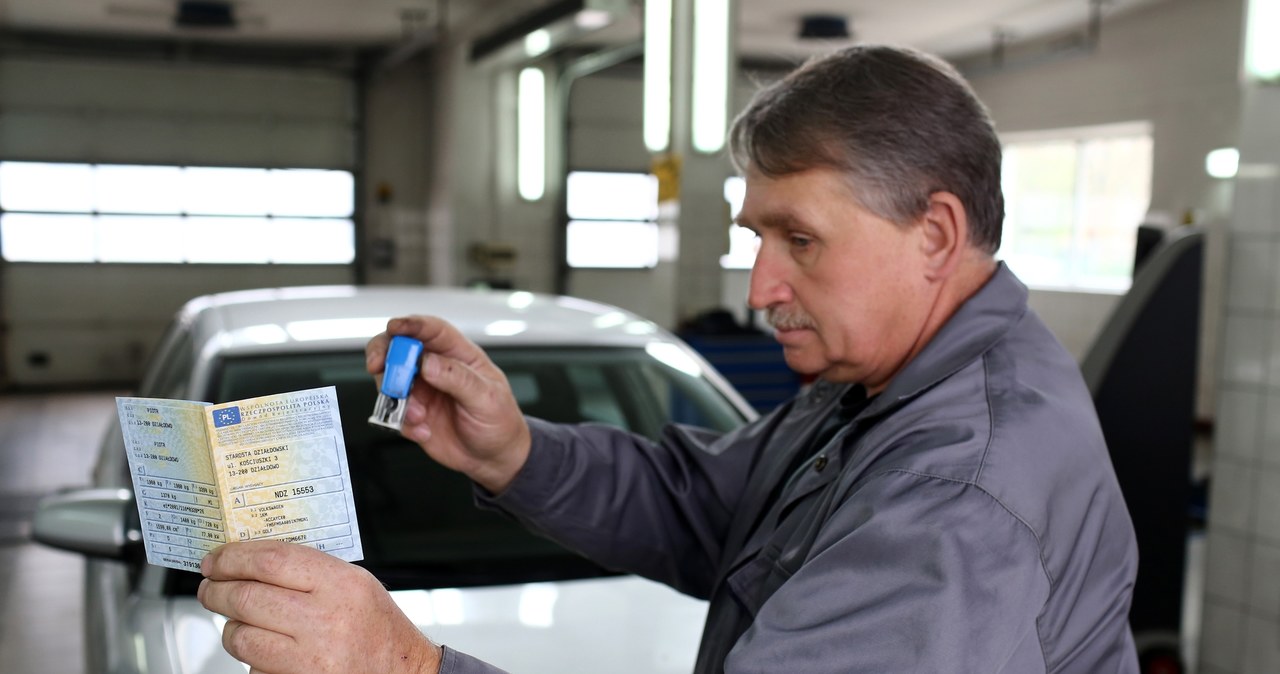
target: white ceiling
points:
(767, 28)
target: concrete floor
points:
(47, 441)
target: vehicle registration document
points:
(273, 467)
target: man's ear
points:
(945, 234)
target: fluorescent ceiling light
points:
(710, 73)
(592, 19)
(657, 74)
(1223, 162)
(1262, 50)
(531, 134)
(537, 43)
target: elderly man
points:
(941, 500)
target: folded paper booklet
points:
(273, 467)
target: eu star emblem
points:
(227, 416)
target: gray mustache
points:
(787, 319)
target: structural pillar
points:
(694, 217)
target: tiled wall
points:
(1241, 620)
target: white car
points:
(470, 579)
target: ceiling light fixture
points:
(1262, 50)
(824, 27)
(205, 14)
(554, 25)
(710, 74)
(657, 74)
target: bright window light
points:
(173, 214)
(28, 237)
(743, 246)
(735, 192)
(612, 244)
(742, 241)
(1262, 50)
(531, 134)
(310, 241)
(657, 74)
(1222, 162)
(29, 186)
(137, 189)
(225, 191)
(141, 238)
(311, 193)
(710, 73)
(1073, 201)
(612, 220)
(227, 241)
(595, 195)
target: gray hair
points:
(900, 124)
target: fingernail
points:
(430, 366)
(205, 564)
(200, 590)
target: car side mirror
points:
(93, 522)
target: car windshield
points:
(418, 524)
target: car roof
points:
(346, 316)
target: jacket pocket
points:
(783, 553)
(754, 582)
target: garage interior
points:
(416, 100)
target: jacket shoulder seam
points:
(1044, 566)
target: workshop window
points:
(175, 214)
(742, 241)
(1073, 201)
(612, 220)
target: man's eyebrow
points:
(767, 221)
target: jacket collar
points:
(977, 325)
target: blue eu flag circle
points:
(227, 416)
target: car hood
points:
(622, 624)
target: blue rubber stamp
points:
(397, 378)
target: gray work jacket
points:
(966, 520)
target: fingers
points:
(268, 651)
(375, 353)
(456, 379)
(437, 336)
(346, 622)
(295, 567)
(266, 606)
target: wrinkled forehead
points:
(792, 198)
(818, 180)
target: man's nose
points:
(768, 284)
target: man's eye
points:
(798, 241)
